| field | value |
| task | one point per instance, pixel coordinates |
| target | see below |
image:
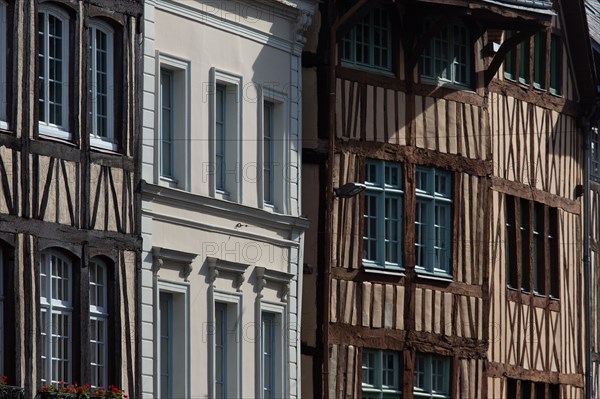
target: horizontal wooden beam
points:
(61, 232)
(500, 370)
(540, 98)
(383, 338)
(419, 156)
(533, 194)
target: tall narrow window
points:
(524, 230)
(53, 67)
(369, 43)
(98, 323)
(101, 70)
(555, 65)
(509, 67)
(511, 244)
(538, 45)
(1, 311)
(220, 137)
(3, 66)
(269, 355)
(166, 123)
(432, 376)
(380, 374)
(524, 62)
(595, 156)
(56, 303)
(432, 220)
(220, 350)
(382, 242)
(539, 272)
(166, 345)
(553, 253)
(446, 57)
(268, 124)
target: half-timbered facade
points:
(69, 213)
(459, 271)
(222, 229)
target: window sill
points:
(536, 300)
(103, 144)
(446, 84)
(444, 278)
(54, 132)
(372, 269)
(366, 68)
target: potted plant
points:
(8, 391)
(61, 390)
(111, 392)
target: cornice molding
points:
(183, 259)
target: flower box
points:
(10, 392)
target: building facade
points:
(70, 240)
(222, 228)
(459, 272)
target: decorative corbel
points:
(217, 267)
(183, 259)
(303, 22)
(283, 279)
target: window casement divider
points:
(283, 279)
(217, 267)
(183, 259)
(3, 66)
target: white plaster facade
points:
(212, 244)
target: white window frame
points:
(382, 191)
(46, 128)
(100, 314)
(181, 368)
(180, 103)
(281, 359)
(377, 389)
(234, 303)
(58, 307)
(352, 41)
(432, 199)
(280, 146)
(3, 65)
(96, 140)
(232, 189)
(426, 391)
(430, 57)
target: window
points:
(534, 265)
(269, 355)
(166, 123)
(2, 312)
(446, 58)
(268, 125)
(225, 342)
(56, 317)
(98, 323)
(172, 346)
(382, 230)
(555, 65)
(173, 152)
(3, 66)
(101, 70)
(538, 51)
(380, 374)
(369, 43)
(382, 234)
(518, 389)
(226, 112)
(432, 220)
(166, 345)
(53, 72)
(432, 376)
(220, 136)
(595, 154)
(518, 70)
(272, 351)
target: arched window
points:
(56, 317)
(53, 71)
(98, 322)
(102, 86)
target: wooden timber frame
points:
(67, 196)
(498, 138)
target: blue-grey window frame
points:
(432, 199)
(378, 190)
(270, 330)
(351, 40)
(377, 389)
(220, 136)
(168, 298)
(268, 136)
(221, 329)
(427, 391)
(429, 56)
